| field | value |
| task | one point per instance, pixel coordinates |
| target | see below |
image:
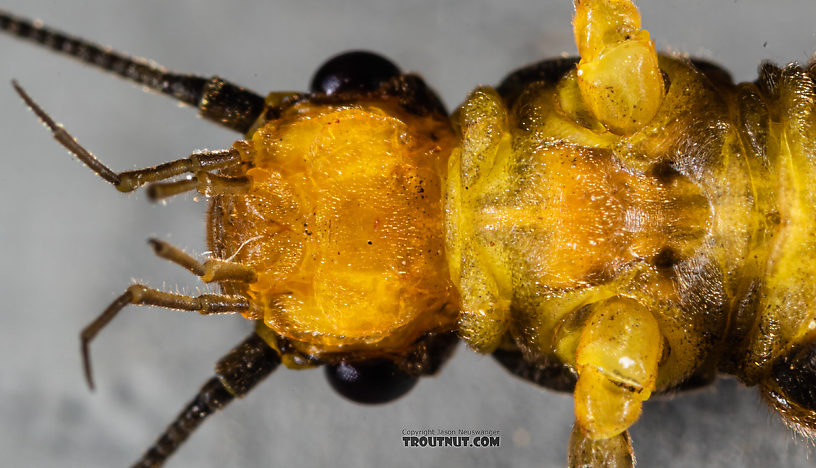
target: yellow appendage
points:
(618, 74)
(616, 359)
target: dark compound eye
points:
(353, 71)
(370, 382)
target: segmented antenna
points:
(216, 99)
(236, 374)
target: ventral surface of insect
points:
(521, 401)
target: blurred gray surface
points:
(70, 243)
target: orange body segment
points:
(343, 224)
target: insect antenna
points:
(128, 181)
(227, 104)
(235, 375)
(65, 139)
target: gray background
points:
(70, 243)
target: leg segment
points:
(235, 375)
(790, 386)
(546, 373)
(614, 452)
(204, 182)
(127, 181)
(618, 74)
(205, 304)
(195, 163)
(217, 100)
(616, 357)
(209, 271)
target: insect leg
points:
(616, 356)
(137, 294)
(584, 451)
(790, 386)
(217, 100)
(197, 162)
(128, 181)
(547, 373)
(235, 375)
(618, 75)
(209, 271)
(206, 183)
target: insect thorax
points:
(695, 217)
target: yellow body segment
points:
(787, 311)
(342, 225)
(643, 222)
